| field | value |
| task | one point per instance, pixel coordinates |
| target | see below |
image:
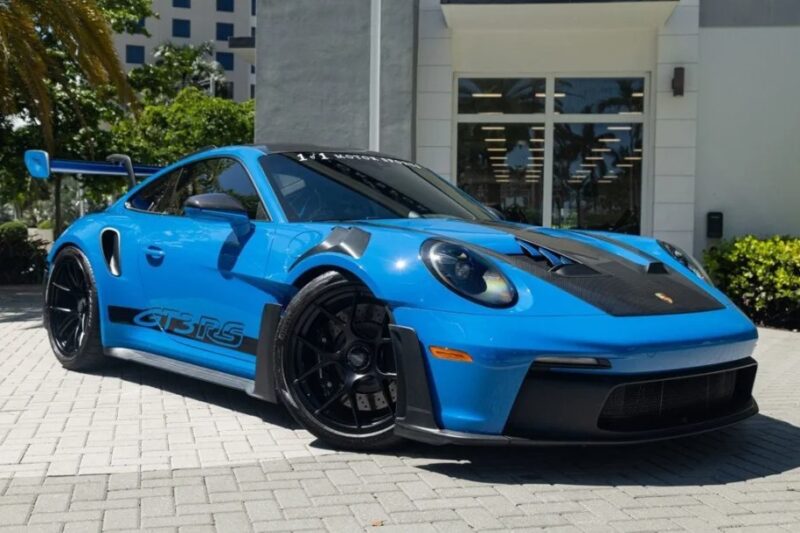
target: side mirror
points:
(219, 206)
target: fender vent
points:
(109, 239)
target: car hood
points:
(604, 270)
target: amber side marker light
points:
(450, 354)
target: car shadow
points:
(756, 448)
(234, 400)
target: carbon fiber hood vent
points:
(609, 281)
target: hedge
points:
(22, 259)
(762, 276)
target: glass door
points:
(501, 144)
(558, 151)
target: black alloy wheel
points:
(338, 367)
(70, 311)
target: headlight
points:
(468, 274)
(686, 260)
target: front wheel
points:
(71, 314)
(334, 364)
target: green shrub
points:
(45, 224)
(13, 233)
(762, 276)
(21, 259)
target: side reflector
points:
(571, 362)
(450, 354)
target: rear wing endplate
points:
(40, 166)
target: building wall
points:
(203, 17)
(434, 113)
(748, 126)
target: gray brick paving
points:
(132, 448)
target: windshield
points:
(335, 186)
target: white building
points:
(195, 22)
(632, 115)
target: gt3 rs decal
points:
(209, 330)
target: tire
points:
(334, 366)
(71, 312)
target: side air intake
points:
(109, 239)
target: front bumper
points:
(557, 407)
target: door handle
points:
(154, 252)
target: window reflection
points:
(599, 96)
(597, 175)
(502, 166)
(501, 96)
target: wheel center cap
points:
(358, 357)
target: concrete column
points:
(434, 91)
(676, 128)
(313, 79)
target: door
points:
(561, 151)
(204, 285)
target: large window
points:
(557, 151)
(597, 176)
(502, 166)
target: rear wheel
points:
(71, 311)
(335, 366)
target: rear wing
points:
(40, 166)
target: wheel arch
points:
(317, 265)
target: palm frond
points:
(77, 27)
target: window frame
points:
(181, 167)
(183, 24)
(226, 25)
(232, 6)
(549, 119)
(230, 55)
(137, 47)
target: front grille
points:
(676, 401)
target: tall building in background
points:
(195, 22)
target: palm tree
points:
(29, 30)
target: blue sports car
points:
(378, 302)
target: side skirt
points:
(179, 367)
(262, 387)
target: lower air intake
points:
(670, 402)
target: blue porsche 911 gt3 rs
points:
(378, 302)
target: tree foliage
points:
(174, 68)
(59, 73)
(165, 132)
(761, 275)
(31, 30)
(125, 16)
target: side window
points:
(154, 196)
(216, 176)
